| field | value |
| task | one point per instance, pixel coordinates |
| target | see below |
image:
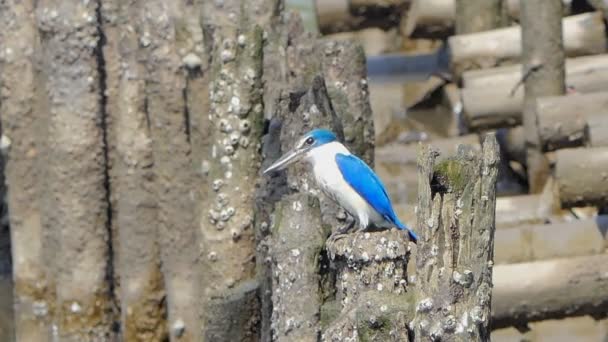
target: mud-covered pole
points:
(456, 218)
(543, 75)
(77, 195)
(162, 36)
(138, 285)
(24, 142)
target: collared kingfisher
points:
(344, 178)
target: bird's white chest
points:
(332, 183)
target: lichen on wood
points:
(455, 250)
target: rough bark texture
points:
(343, 66)
(77, 214)
(21, 160)
(543, 69)
(371, 267)
(231, 166)
(456, 204)
(494, 97)
(138, 282)
(163, 36)
(564, 121)
(581, 176)
(298, 228)
(549, 290)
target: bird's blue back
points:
(367, 184)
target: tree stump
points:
(372, 301)
(456, 215)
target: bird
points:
(344, 178)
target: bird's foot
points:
(341, 232)
(333, 238)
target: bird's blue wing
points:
(367, 184)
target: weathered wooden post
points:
(298, 229)
(138, 282)
(76, 195)
(231, 164)
(373, 301)
(476, 16)
(543, 75)
(456, 208)
(163, 37)
(22, 129)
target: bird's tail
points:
(413, 237)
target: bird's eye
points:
(310, 141)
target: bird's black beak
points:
(285, 160)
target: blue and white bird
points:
(344, 178)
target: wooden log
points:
(284, 201)
(236, 111)
(513, 8)
(583, 34)
(455, 249)
(513, 211)
(23, 150)
(532, 242)
(435, 18)
(349, 15)
(549, 289)
(138, 281)
(572, 120)
(76, 195)
(476, 16)
(296, 252)
(371, 267)
(544, 75)
(429, 19)
(179, 210)
(581, 176)
(492, 98)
